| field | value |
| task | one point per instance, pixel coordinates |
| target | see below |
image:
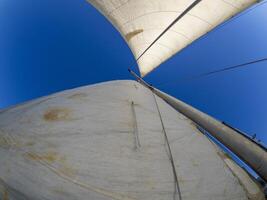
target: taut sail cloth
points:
(140, 22)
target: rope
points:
(215, 71)
(169, 149)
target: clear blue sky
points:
(52, 45)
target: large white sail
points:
(140, 22)
(106, 142)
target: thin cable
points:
(233, 18)
(215, 71)
(169, 149)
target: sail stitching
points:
(169, 150)
(163, 11)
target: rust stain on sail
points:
(57, 114)
(48, 157)
(5, 194)
(132, 34)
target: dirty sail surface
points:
(140, 22)
(106, 142)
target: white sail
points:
(140, 22)
(105, 142)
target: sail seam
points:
(230, 4)
(163, 11)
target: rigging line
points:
(169, 149)
(173, 22)
(216, 71)
(230, 20)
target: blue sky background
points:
(52, 45)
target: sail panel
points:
(140, 22)
(105, 142)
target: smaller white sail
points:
(140, 22)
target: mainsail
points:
(106, 142)
(140, 22)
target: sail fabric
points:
(105, 142)
(140, 22)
